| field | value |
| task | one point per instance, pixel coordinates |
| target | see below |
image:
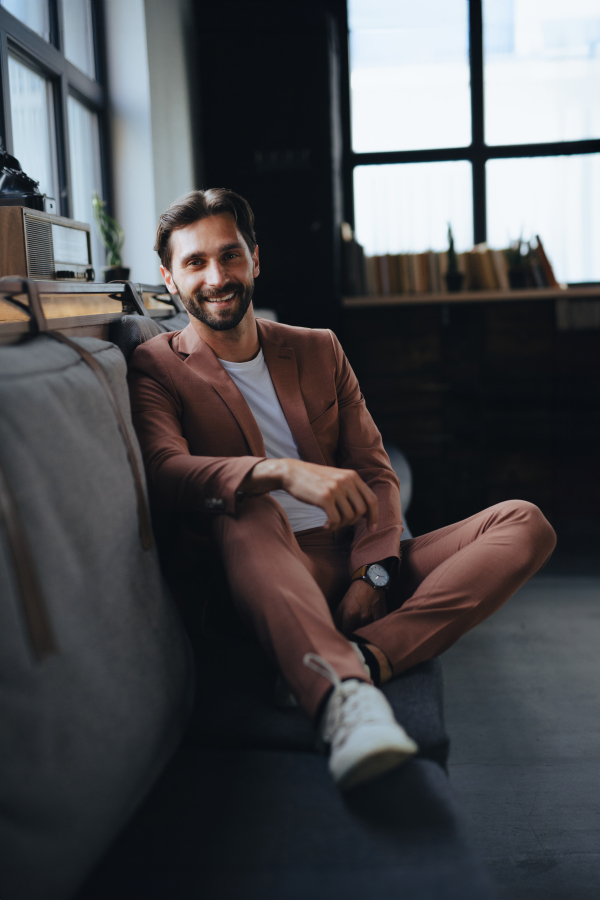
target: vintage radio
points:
(40, 245)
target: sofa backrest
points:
(87, 728)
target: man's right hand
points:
(340, 493)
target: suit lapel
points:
(202, 359)
(283, 368)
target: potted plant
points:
(112, 236)
(454, 277)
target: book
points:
(500, 266)
(384, 277)
(395, 274)
(403, 272)
(392, 270)
(421, 282)
(371, 275)
(443, 268)
(544, 263)
(433, 272)
(481, 269)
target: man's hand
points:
(361, 605)
(340, 493)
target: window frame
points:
(47, 58)
(477, 152)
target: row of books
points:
(483, 268)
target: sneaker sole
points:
(373, 766)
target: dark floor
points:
(523, 712)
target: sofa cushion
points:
(130, 331)
(88, 729)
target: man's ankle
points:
(385, 669)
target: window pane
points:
(406, 208)
(409, 74)
(555, 197)
(32, 116)
(542, 70)
(86, 173)
(34, 14)
(79, 34)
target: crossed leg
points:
(450, 580)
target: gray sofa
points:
(239, 805)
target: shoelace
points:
(348, 704)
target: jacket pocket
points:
(325, 418)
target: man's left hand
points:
(361, 605)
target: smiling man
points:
(261, 428)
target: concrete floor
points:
(523, 713)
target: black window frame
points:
(477, 153)
(47, 58)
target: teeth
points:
(221, 299)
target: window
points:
(418, 54)
(481, 113)
(54, 111)
(32, 117)
(86, 171)
(409, 206)
(33, 13)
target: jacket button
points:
(214, 504)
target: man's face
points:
(213, 271)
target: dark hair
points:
(199, 205)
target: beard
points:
(198, 306)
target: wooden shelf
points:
(473, 297)
(77, 308)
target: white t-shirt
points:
(254, 381)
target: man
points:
(263, 426)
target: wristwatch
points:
(374, 574)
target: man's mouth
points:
(218, 300)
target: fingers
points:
(351, 619)
(341, 493)
(357, 610)
(372, 504)
(354, 499)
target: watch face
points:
(378, 575)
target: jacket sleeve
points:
(177, 480)
(360, 448)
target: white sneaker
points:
(359, 725)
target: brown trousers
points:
(286, 586)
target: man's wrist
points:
(375, 574)
(267, 475)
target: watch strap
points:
(360, 572)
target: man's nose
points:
(214, 274)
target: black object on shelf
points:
(116, 273)
(17, 188)
(454, 281)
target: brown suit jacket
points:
(199, 438)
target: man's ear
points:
(255, 261)
(168, 278)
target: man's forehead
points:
(207, 235)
